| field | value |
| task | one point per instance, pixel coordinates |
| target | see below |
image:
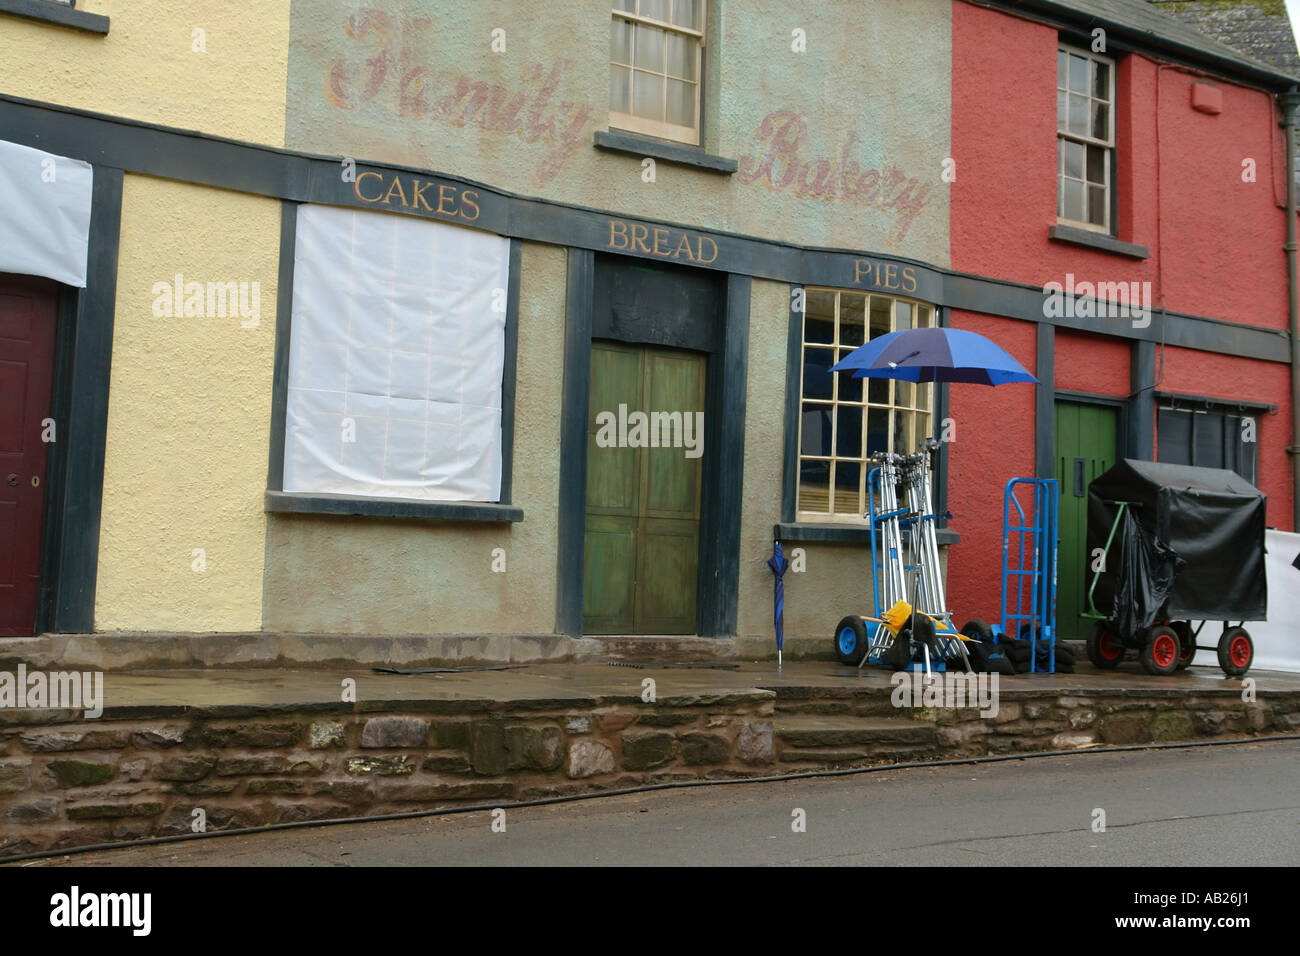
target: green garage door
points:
(1086, 445)
(643, 503)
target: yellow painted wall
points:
(188, 416)
(147, 67)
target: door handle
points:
(1079, 490)
(13, 481)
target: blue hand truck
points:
(1029, 552)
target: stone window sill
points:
(840, 533)
(299, 503)
(46, 11)
(618, 141)
(1096, 240)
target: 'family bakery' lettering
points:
(884, 275)
(420, 195)
(787, 159)
(385, 66)
(661, 242)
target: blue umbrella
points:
(934, 355)
(778, 563)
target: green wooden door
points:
(643, 502)
(1086, 445)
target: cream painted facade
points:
(186, 543)
(364, 575)
(412, 82)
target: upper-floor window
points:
(845, 421)
(656, 54)
(1085, 137)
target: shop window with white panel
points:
(844, 421)
(395, 358)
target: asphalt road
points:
(1223, 806)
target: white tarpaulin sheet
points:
(395, 357)
(44, 214)
(1277, 640)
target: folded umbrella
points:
(778, 563)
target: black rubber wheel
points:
(1160, 651)
(899, 654)
(1104, 649)
(1186, 644)
(851, 640)
(979, 630)
(1236, 651)
(924, 632)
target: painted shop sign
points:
(884, 276)
(398, 191)
(410, 193)
(661, 242)
(784, 162)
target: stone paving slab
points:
(264, 690)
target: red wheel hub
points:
(1107, 647)
(1165, 650)
(1239, 651)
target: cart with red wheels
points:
(1169, 647)
(1182, 545)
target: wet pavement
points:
(592, 684)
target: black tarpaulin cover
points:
(1150, 567)
(1211, 518)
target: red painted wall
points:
(1215, 241)
(1092, 363)
(1215, 247)
(994, 443)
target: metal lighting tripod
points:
(912, 472)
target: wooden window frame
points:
(831, 515)
(662, 129)
(1108, 166)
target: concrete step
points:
(843, 739)
(875, 705)
(863, 754)
(813, 730)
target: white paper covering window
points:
(44, 214)
(395, 358)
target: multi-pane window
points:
(1208, 438)
(656, 55)
(1085, 137)
(844, 421)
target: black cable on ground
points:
(644, 788)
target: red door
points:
(27, 319)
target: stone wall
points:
(68, 782)
(148, 771)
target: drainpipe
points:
(1290, 102)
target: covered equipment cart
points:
(1181, 545)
